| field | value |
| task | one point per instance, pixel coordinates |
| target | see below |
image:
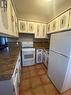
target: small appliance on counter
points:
(3, 42)
(39, 55)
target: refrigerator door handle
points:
(60, 54)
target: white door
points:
(57, 67)
(61, 43)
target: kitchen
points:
(35, 49)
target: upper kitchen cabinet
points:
(70, 19)
(48, 28)
(23, 26)
(60, 23)
(43, 31)
(14, 23)
(38, 30)
(31, 27)
(11, 19)
(3, 21)
(54, 26)
(16, 26)
(64, 21)
(7, 20)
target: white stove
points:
(28, 56)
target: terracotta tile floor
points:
(34, 81)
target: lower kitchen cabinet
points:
(11, 86)
(6, 87)
(16, 76)
(39, 55)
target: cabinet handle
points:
(19, 60)
(18, 84)
(43, 30)
(13, 88)
(22, 26)
(16, 71)
(12, 19)
(49, 28)
(62, 21)
(37, 32)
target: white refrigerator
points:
(59, 64)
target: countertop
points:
(8, 59)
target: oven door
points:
(28, 56)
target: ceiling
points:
(42, 10)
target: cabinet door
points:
(31, 27)
(70, 19)
(64, 21)
(23, 27)
(13, 20)
(15, 24)
(38, 30)
(16, 88)
(10, 18)
(48, 28)
(43, 34)
(3, 27)
(17, 70)
(18, 66)
(54, 25)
